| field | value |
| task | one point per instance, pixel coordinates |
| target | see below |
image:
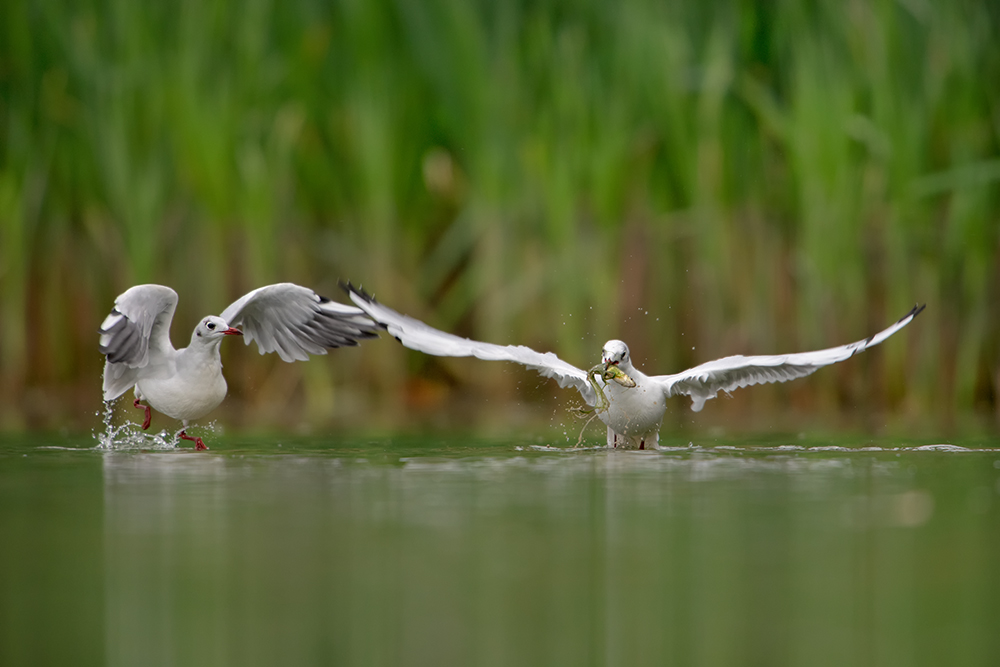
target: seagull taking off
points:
(187, 384)
(630, 402)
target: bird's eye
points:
(211, 325)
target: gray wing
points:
(416, 335)
(704, 382)
(295, 322)
(137, 328)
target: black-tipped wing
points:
(295, 322)
(416, 335)
(704, 382)
(137, 328)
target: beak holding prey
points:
(612, 372)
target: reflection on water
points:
(444, 553)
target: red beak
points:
(232, 331)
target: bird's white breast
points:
(182, 390)
(634, 411)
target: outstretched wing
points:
(137, 328)
(416, 335)
(704, 382)
(295, 322)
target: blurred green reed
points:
(758, 177)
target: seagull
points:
(628, 401)
(187, 384)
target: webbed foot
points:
(199, 445)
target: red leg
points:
(616, 440)
(198, 444)
(145, 422)
(642, 444)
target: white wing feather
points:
(416, 335)
(295, 322)
(704, 382)
(137, 328)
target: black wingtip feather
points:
(123, 332)
(117, 325)
(917, 309)
(351, 289)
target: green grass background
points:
(698, 178)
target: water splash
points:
(131, 436)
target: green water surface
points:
(446, 551)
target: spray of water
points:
(129, 435)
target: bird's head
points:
(214, 328)
(615, 353)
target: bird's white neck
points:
(204, 348)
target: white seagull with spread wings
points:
(187, 384)
(630, 402)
